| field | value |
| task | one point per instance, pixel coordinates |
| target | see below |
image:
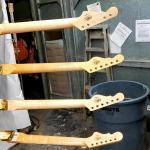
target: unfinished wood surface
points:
(95, 103)
(96, 140)
(93, 65)
(89, 18)
(85, 21)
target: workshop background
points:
(71, 45)
(71, 42)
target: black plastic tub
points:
(127, 116)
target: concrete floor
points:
(60, 123)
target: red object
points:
(21, 51)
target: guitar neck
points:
(96, 102)
(93, 65)
(36, 26)
(96, 140)
(53, 140)
(85, 21)
(42, 104)
(40, 67)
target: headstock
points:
(98, 139)
(100, 101)
(89, 18)
(98, 63)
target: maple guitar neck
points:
(96, 140)
(93, 65)
(85, 21)
(96, 102)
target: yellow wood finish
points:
(89, 18)
(85, 21)
(93, 65)
(96, 140)
(96, 102)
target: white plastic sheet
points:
(10, 87)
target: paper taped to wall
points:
(142, 30)
(94, 7)
(120, 35)
(114, 49)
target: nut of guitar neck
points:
(3, 104)
(4, 136)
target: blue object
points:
(127, 116)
